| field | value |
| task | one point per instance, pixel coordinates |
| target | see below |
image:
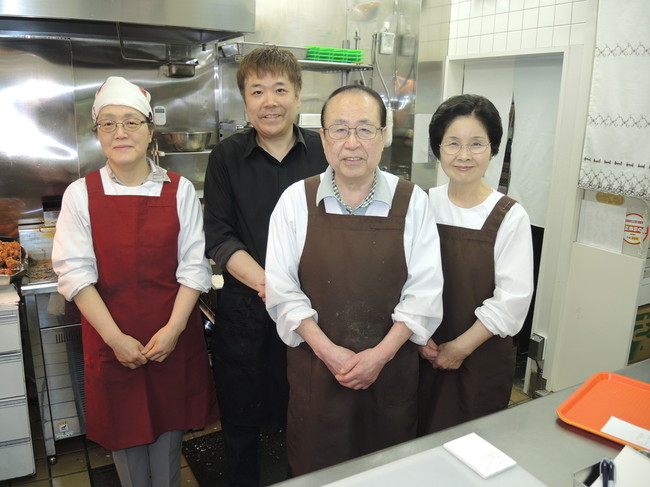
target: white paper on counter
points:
(627, 432)
(479, 455)
(631, 469)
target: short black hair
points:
(476, 106)
(363, 89)
(269, 60)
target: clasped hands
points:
(132, 354)
(354, 370)
(447, 356)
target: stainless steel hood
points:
(191, 22)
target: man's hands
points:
(353, 370)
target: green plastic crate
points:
(316, 53)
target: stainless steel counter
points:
(531, 433)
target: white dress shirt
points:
(502, 314)
(420, 306)
(73, 255)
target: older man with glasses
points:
(354, 283)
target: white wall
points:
(470, 27)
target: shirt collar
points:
(382, 189)
(252, 144)
(157, 174)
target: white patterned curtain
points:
(616, 155)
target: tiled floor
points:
(77, 456)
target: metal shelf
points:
(330, 66)
(308, 65)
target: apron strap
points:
(498, 213)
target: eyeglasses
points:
(363, 132)
(453, 148)
(130, 125)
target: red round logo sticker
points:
(636, 230)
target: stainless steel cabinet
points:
(57, 353)
(16, 452)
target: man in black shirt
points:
(246, 174)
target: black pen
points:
(607, 472)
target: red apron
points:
(353, 270)
(483, 383)
(135, 242)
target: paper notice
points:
(627, 432)
(602, 225)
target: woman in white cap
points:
(129, 251)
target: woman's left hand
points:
(450, 356)
(161, 344)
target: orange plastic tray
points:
(605, 395)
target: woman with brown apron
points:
(129, 251)
(486, 249)
(354, 283)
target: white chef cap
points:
(118, 91)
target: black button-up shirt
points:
(242, 186)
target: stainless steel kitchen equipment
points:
(186, 141)
(55, 339)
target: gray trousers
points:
(156, 464)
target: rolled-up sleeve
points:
(287, 305)
(73, 256)
(504, 313)
(193, 270)
(222, 236)
(420, 306)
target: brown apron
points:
(135, 239)
(352, 269)
(483, 383)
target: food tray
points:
(6, 279)
(604, 395)
(7, 276)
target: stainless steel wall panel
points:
(38, 150)
(219, 16)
